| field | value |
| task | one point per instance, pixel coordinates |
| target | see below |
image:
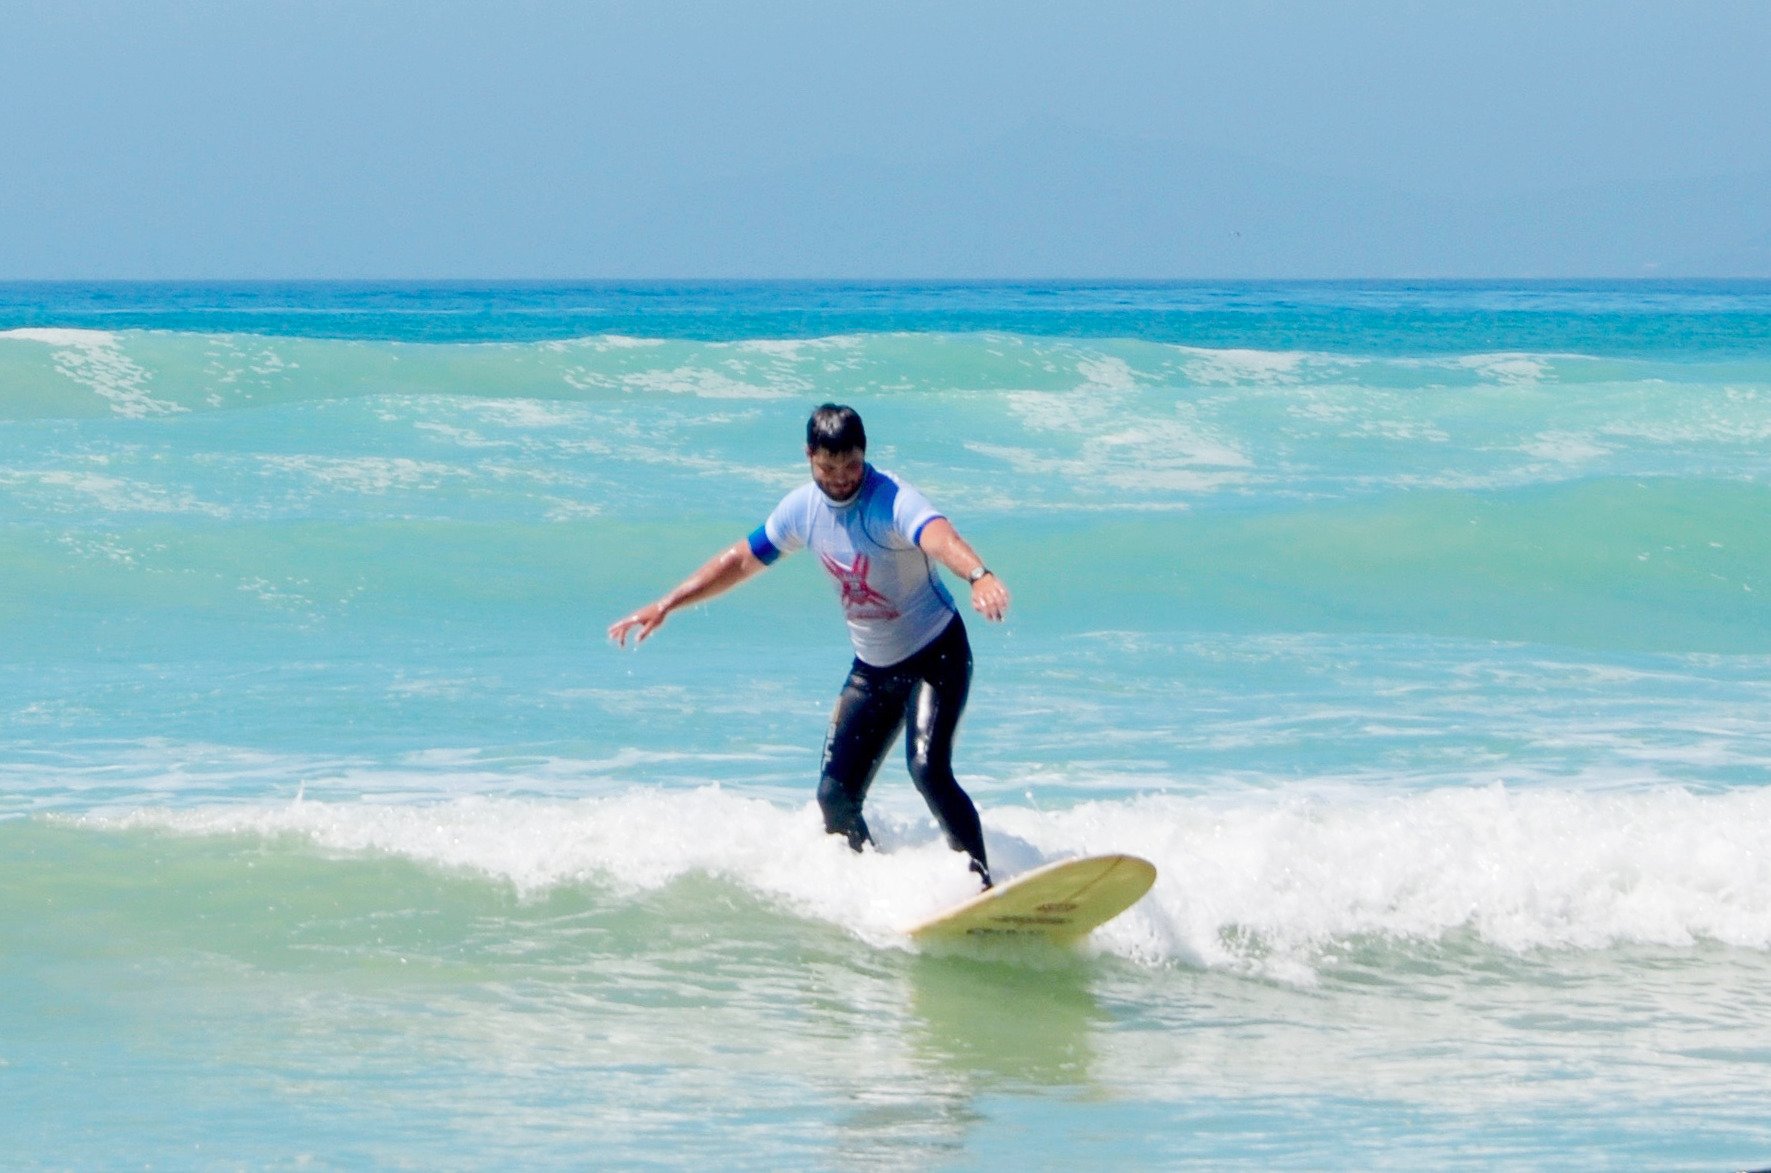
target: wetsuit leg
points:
(868, 714)
(944, 677)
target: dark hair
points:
(835, 428)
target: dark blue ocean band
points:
(765, 550)
(916, 538)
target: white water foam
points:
(795, 349)
(1173, 452)
(634, 842)
(1276, 888)
(1232, 366)
(61, 336)
(601, 342)
(1565, 447)
(364, 474)
(1507, 370)
(1270, 886)
(95, 360)
(700, 382)
(78, 491)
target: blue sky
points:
(853, 139)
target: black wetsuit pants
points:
(928, 692)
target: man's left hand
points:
(990, 598)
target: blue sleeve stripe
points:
(917, 536)
(765, 550)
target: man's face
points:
(838, 474)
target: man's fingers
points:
(646, 619)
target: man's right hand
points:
(647, 619)
(721, 573)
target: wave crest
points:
(1272, 887)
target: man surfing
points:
(879, 539)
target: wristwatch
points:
(977, 573)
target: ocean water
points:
(1418, 634)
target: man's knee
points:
(930, 771)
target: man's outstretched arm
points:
(942, 542)
(719, 574)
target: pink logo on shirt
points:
(859, 599)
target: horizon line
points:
(1640, 278)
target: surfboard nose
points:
(1063, 901)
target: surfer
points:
(878, 538)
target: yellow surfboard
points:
(1060, 902)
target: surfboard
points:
(1061, 902)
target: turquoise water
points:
(1416, 632)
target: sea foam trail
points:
(1270, 887)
